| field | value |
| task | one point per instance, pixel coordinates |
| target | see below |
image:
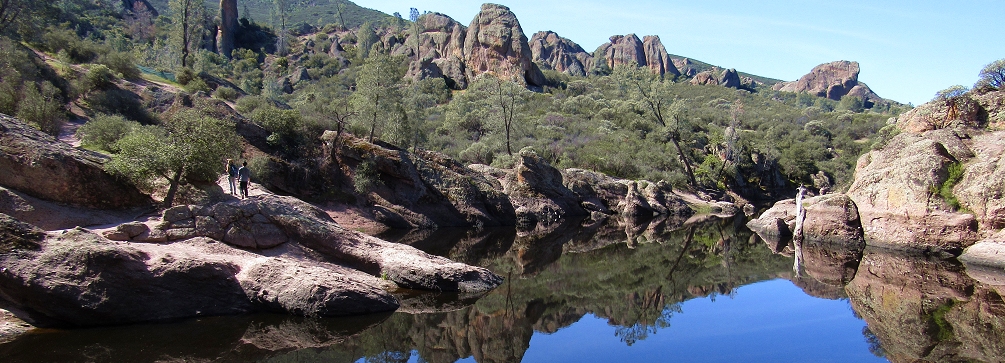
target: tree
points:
(189, 146)
(993, 74)
(507, 98)
(953, 98)
(187, 28)
(413, 15)
(14, 12)
(657, 104)
(377, 98)
(281, 11)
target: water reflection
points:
(636, 276)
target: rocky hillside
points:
(935, 187)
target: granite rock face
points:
(496, 44)
(41, 166)
(893, 190)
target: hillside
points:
(314, 12)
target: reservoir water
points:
(607, 292)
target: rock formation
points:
(893, 190)
(37, 164)
(831, 218)
(495, 44)
(57, 277)
(623, 50)
(657, 58)
(705, 78)
(831, 80)
(730, 79)
(629, 50)
(563, 55)
(228, 27)
(440, 51)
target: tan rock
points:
(495, 43)
(563, 55)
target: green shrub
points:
(122, 102)
(366, 176)
(249, 104)
(261, 170)
(121, 63)
(225, 93)
(103, 131)
(41, 106)
(197, 85)
(184, 76)
(97, 77)
(954, 175)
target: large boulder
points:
(893, 191)
(831, 80)
(495, 43)
(429, 189)
(563, 55)
(831, 218)
(597, 192)
(536, 190)
(730, 79)
(79, 278)
(440, 50)
(39, 165)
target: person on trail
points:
(245, 175)
(232, 176)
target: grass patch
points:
(945, 191)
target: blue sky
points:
(908, 50)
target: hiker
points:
(245, 175)
(232, 176)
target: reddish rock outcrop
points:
(228, 27)
(831, 80)
(705, 78)
(554, 52)
(495, 43)
(623, 50)
(440, 50)
(657, 58)
(37, 164)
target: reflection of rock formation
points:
(232, 338)
(928, 309)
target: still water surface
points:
(606, 293)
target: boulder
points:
(429, 189)
(705, 78)
(228, 27)
(893, 191)
(39, 165)
(495, 43)
(967, 113)
(536, 190)
(831, 80)
(560, 54)
(831, 219)
(81, 279)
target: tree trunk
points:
(686, 162)
(173, 188)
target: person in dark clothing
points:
(244, 174)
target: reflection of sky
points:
(771, 321)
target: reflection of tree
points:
(875, 346)
(641, 330)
